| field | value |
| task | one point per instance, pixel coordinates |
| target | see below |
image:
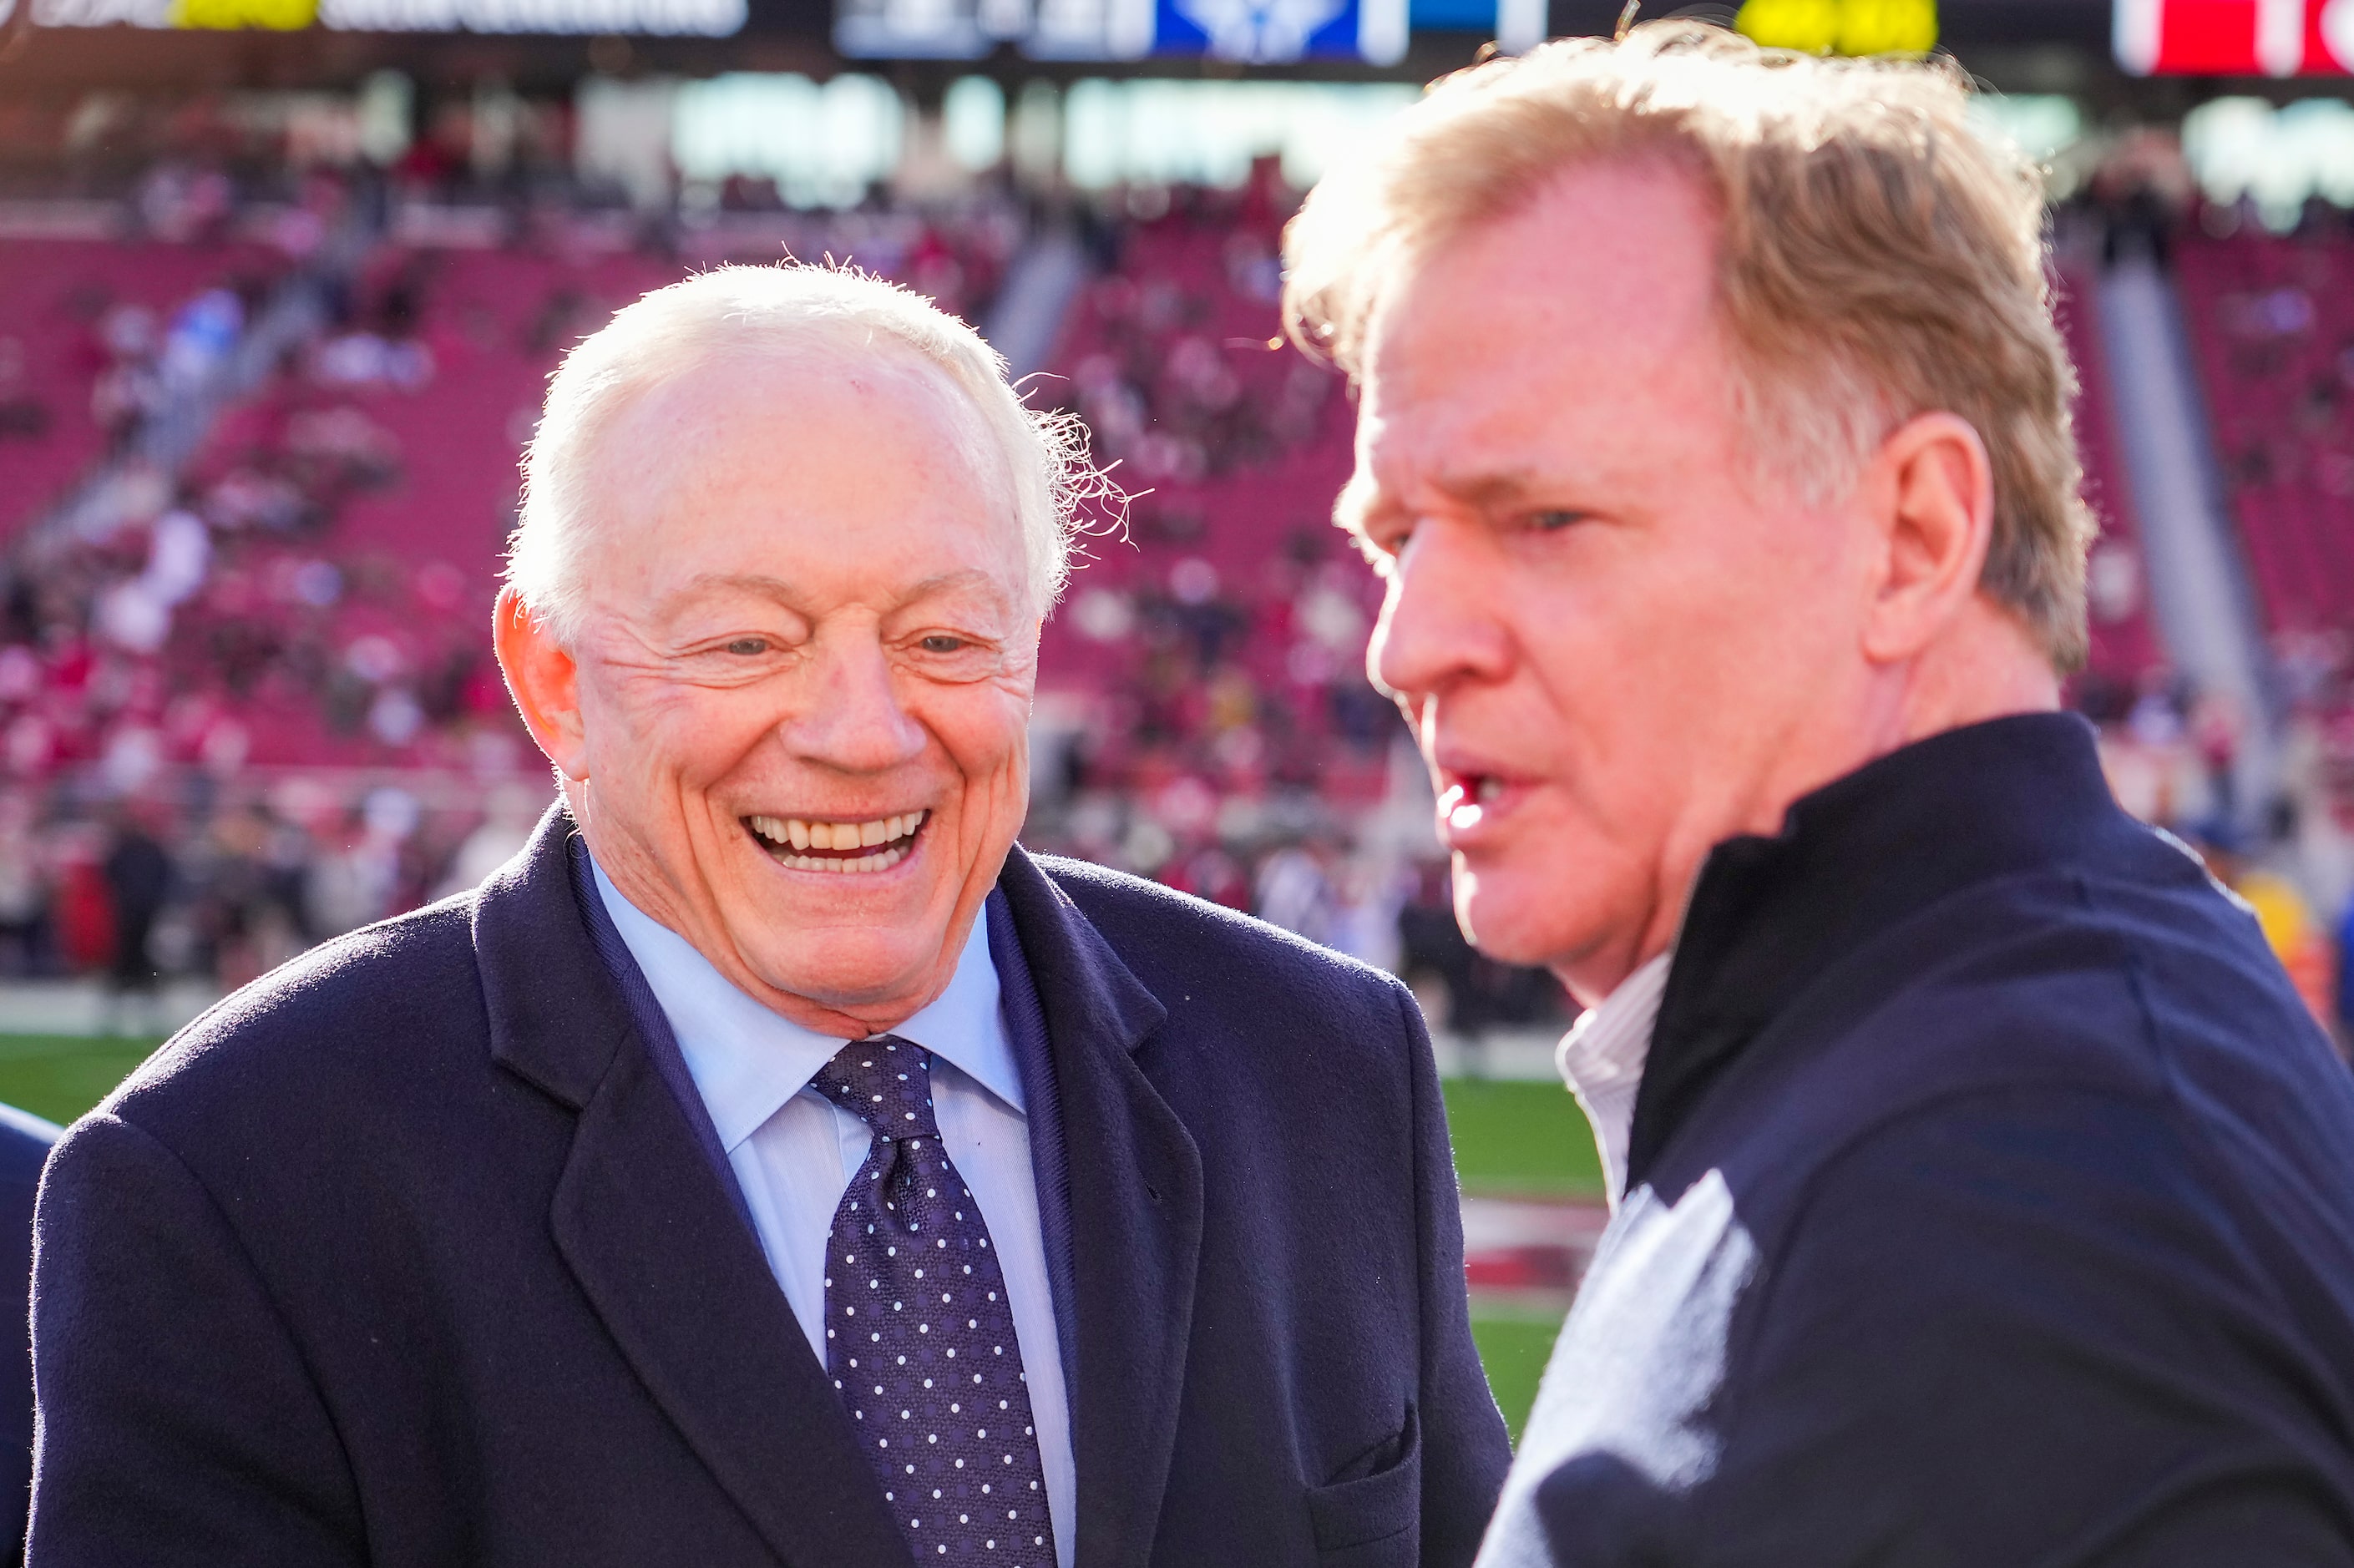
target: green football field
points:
(61, 1076)
(1515, 1139)
(1511, 1139)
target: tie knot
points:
(884, 1082)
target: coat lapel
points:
(656, 1242)
(1135, 1195)
(1050, 1166)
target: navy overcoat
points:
(409, 1254)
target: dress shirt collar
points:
(748, 1060)
(1601, 1059)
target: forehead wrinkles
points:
(1415, 409)
(973, 437)
(663, 445)
(1526, 350)
(1451, 436)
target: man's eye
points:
(749, 647)
(1553, 521)
(940, 642)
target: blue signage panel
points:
(1255, 32)
(1258, 31)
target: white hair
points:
(785, 309)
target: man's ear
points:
(1932, 486)
(544, 681)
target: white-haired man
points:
(773, 1164)
(1987, 1196)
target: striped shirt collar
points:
(1601, 1059)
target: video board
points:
(1255, 32)
(2235, 38)
(692, 18)
(1275, 32)
(1841, 26)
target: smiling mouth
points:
(803, 845)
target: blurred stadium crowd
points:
(259, 423)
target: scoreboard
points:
(1251, 32)
(694, 18)
(2235, 38)
(1274, 32)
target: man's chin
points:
(1519, 930)
(827, 970)
(1504, 950)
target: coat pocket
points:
(1374, 1520)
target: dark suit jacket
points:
(411, 1254)
(25, 1143)
(1992, 1206)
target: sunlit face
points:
(1610, 639)
(805, 675)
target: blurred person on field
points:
(505, 827)
(2296, 939)
(232, 893)
(1369, 893)
(24, 887)
(361, 877)
(772, 1163)
(1292, 891)
(82, 911)
(138, 872)
(1984, 1193)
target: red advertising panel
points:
(2235, 38)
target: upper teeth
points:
(1489, 790)
(794, 834)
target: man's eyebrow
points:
(947, 582)
(783, 591)
(1487, 491)
(747, 582)
(1362, 501)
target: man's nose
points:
(1438, 623)
(854, 720)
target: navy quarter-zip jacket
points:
(1991, 1205)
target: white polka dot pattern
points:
(919, 1336)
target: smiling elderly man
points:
(1987, 1195)
(773, 1164)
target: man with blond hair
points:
(1983, 1196)
(772, 1164)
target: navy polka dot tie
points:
(919, 1336)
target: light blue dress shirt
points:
(794, 1152)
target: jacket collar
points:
(556, 1015)
(1088, 990)
(1769, 916)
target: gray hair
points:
(780, 308)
